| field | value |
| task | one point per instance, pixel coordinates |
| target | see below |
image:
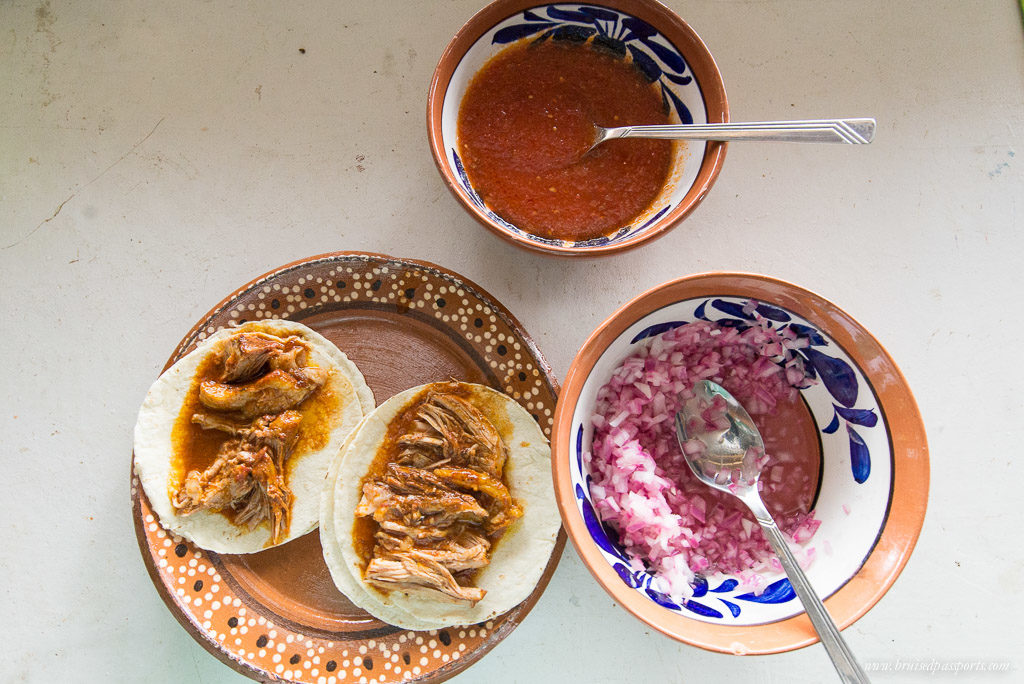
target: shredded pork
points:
(439, 504)
(264, 380)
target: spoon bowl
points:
(727, 453)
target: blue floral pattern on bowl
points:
(614, 31)
(621, 34)
(841, 397)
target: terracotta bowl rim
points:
(910, 477)
(670, 25)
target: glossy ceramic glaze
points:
(874, 477)
(277, 615)
(666, 49)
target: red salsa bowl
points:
(512, 102)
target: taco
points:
(233, 442)
(441, 509)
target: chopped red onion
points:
(642, 486)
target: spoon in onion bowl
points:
(724, 449)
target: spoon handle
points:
(849, 131)
(842, 657)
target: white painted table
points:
(155, 156)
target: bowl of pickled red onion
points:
(846, 473)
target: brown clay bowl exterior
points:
(699, 61)
(907, 491)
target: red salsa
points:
(527, 119)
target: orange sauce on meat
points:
(364, 531)
(195, 448)
(318, 415)
(527, 118)
(365, 528)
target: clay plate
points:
(276, 615)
